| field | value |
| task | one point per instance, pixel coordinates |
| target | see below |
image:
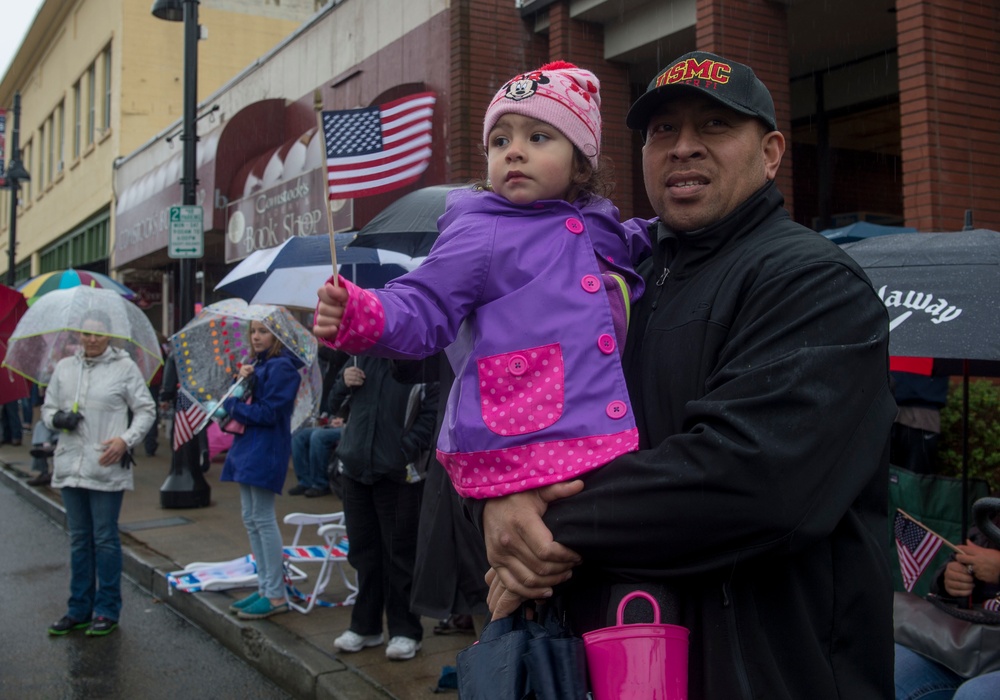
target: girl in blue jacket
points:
(258, 462)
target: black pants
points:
(382, 529)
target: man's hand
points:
(329, 310)
(526, 560)
(113, 451)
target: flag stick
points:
(914, 520)
(318, 105)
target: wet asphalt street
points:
(154, 654)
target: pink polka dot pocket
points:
(522, 392)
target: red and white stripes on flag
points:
(188, 415)
(377, 149)
(916, 546)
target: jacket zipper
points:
(734, 642)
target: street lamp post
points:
(185, 486)
(16, 174)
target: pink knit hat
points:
(560, 94)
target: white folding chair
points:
(332, 553)
(222, 575)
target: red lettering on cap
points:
(691, 69)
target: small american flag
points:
(992, 604)
(916, 546)
(377, 149)
(187, 416)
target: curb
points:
(293, 664)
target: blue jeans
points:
(265, 539)
(95, 588)
(919, 678)
(311, 449)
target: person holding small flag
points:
(258, 461)
(971, 576)
(529, 287)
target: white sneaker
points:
(351, 642)
(401, 648)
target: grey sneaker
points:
(401, 648)
(350, 642)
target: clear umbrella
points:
(211, 348)
(50, 330)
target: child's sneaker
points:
(244, 602)
(261, 608)
(67, 624)
(101, 626)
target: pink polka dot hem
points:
(495, 473)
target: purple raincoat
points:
(516, 297)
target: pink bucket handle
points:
(639, 594)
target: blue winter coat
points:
(259, 457)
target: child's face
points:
(529, 160)
(261, 339)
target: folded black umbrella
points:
(521, 659)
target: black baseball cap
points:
(733, 84)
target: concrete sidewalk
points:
(296, 651)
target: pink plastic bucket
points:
(640, 661)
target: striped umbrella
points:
(290, 274)
(67, 279)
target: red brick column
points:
(583, 44)
(949, 102)
(490, 44)
(754, 32)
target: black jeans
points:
(382, 530)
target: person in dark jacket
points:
(757, 363)
(448, 580)
(258, 462)
(381, 508)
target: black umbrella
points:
(408, 225)
(941, 291)
(860, 230)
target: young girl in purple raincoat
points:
(527, 289)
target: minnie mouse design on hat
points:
(558, 93)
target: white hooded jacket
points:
(108, 386)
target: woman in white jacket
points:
(88, 400)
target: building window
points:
(87, 244)
(26, 159)
(51, 129)
(77, 119)
(22, 272)
(40, 173)
(91, 102)
(60, 137)
(107, 88)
